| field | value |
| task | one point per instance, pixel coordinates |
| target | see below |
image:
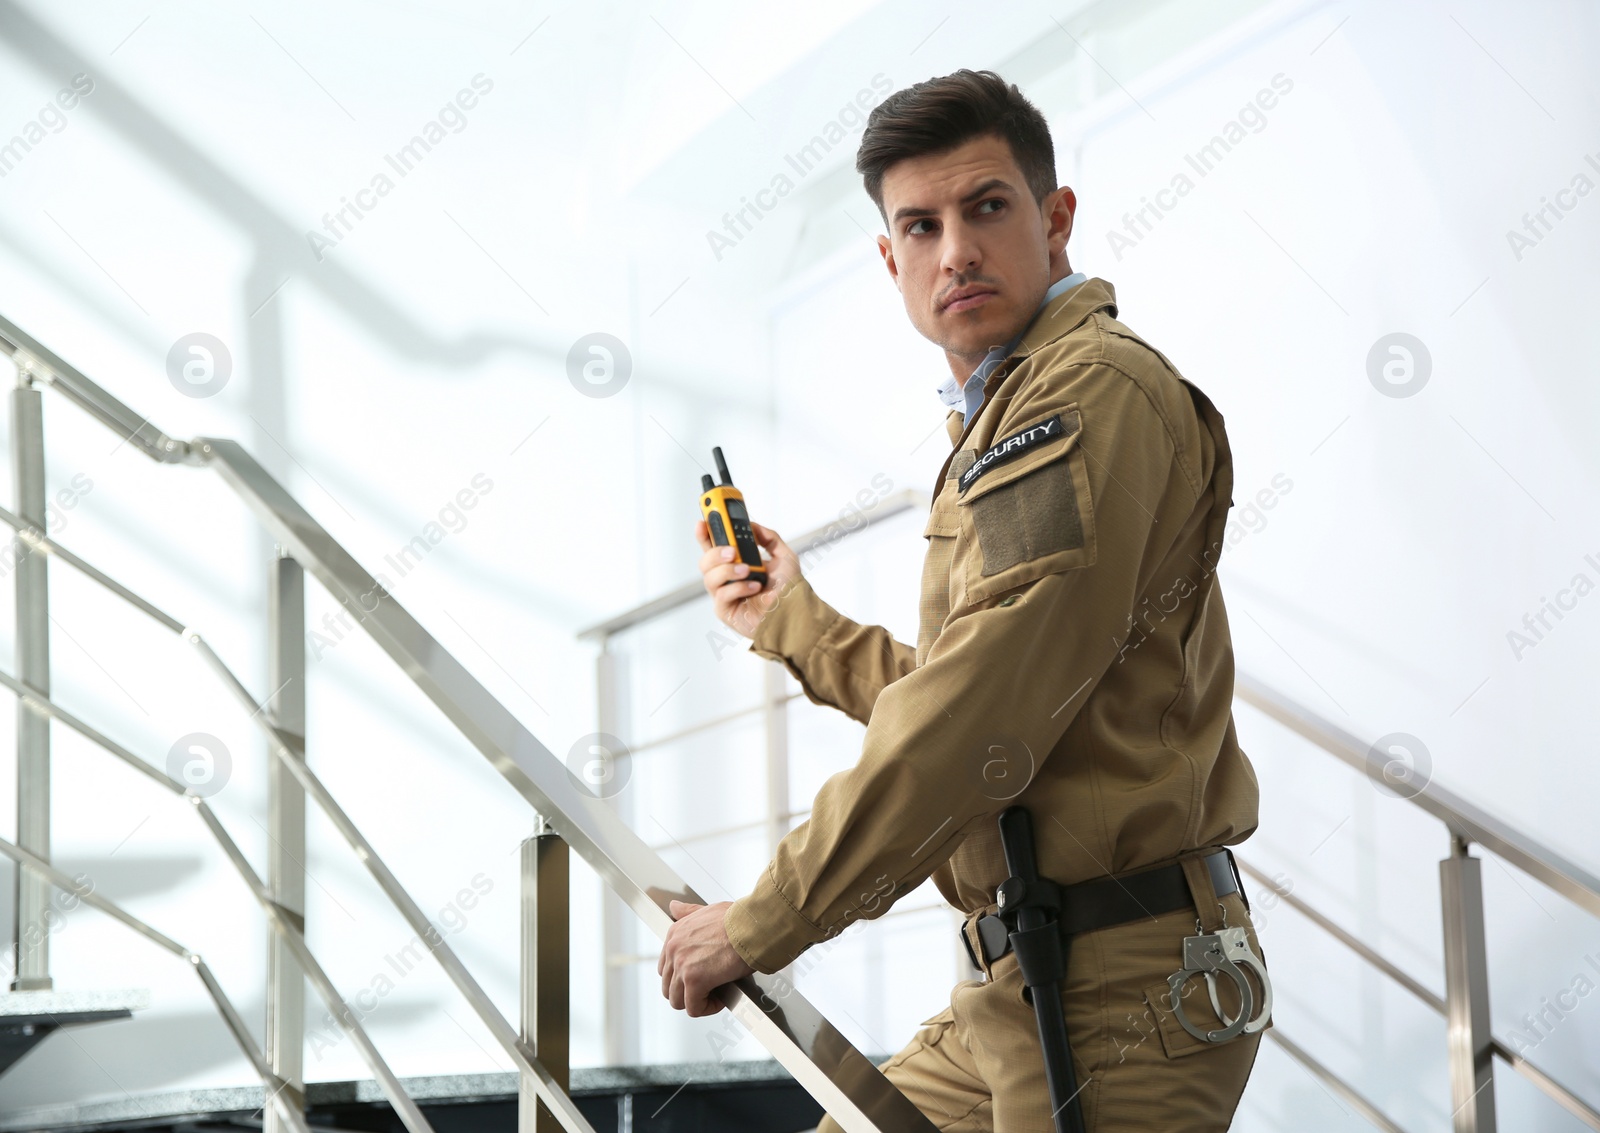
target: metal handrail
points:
(274, 1086)
(850, 1087)
(1551, 1088)
(1465, 821)
(1349, 940)
(32, 357)
(282, 748)
(853, 1090)
(887, 508)
(1463, 818)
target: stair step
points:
(703, 1097)
(27, 1018)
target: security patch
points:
(1014, 446)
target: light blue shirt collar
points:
(968, 397)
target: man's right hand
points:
(740, 603)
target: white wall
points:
(1405, 536)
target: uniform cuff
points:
(766, 930)
(791, 630)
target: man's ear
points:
(1059, 207)
(887, 252)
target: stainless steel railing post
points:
(31, 935)
(546, 944)
(286, 825)
(1466, 983)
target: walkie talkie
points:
(723, 507)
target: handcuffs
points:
(1224, 952)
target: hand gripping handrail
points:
(821, 1059)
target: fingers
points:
(686, 995)
(698, 1004)
(723, 573)
(772, 543)
(702, 533)
(682, 980)
(715, 557)
(768, 538)
(719, 566)
(728, 580)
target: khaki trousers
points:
(976, 1067)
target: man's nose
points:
(960, 253)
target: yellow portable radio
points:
(723, 507)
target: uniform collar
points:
(1066, 313)
(1059, 316)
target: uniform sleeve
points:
(1006, 675)
(838, 662)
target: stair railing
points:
(853, 1091)
(1472, 1045)
(276, 1095)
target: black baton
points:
(1028, 906)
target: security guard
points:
(1073, 659)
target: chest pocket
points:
(1025, 509)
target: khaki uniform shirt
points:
(1073, 655)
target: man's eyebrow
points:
(984, 189)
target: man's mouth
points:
(966, 298)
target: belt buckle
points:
(993, 941)
(966, 942)
(994, 936)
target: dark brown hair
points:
(940, 114)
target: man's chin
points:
(971, 336)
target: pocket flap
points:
(1020, 452)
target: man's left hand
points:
(696, 958)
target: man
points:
(1073, 658)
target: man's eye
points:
(913, 229)
(983, 206)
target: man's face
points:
(968, 246)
